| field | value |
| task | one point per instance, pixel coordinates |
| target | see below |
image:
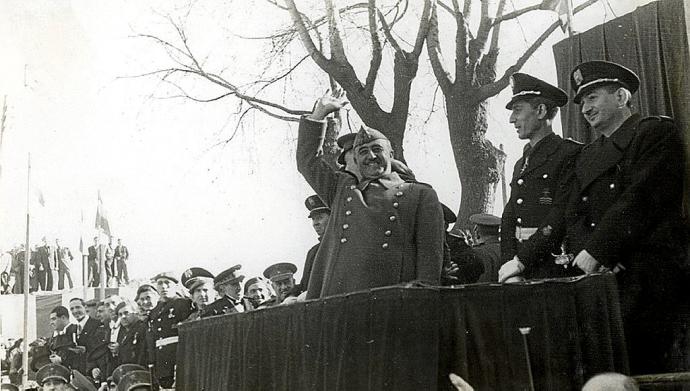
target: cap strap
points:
(589, 83)
(527, 93)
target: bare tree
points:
(466, 93)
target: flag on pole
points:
(101, 217)
(40, 198)
(564, 9)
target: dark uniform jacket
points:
(133, 345)
(382, 232)
(625, 209)
(535, 187)
(61, 344)
(308, 265)
(226, 305)
(489, 252)
(162, 337)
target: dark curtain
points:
(44, 305)
(410, 339)
(652, 41)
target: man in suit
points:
(538, 177)
(95, 259)
(90, 338)
(319, 214)
(383, 230)
(64, 259)
(46, 262)
(121, 257)
(63, 342)
(228, 284)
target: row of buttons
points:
(392, 218)
(522, 181)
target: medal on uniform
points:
(171, 314)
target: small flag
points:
(39, 197)
(101, 217)
(560, 7)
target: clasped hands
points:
(584, 260)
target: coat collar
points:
(388, 181)
(538, 154)
(602, 154)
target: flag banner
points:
(39, 197)
(101, 217)
(81, 233)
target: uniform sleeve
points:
(652, 189)
(552, 230)
(429, 236)
(320, 176)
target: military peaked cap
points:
(526, 86)
(279, 271)
(589, 75)
(229, 275)
(194, 277)
(315, 205)
(53, 371)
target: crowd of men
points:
(51, 266)
(612, 206)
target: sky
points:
(174, 192)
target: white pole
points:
(27, 256)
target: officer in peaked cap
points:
(373, 216)
(588, 76)
(162, 333)
(537, 180)
(136, 380)
(124, 369)
(487, 247)
(282, 278)
(199, 283)
(229, 285)
(625, 211)
(51, 376)
(319, 214)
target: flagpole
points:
(101, 261)
(27, 256)
(569, 4)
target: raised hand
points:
(328, 103)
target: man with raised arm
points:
(384, 230)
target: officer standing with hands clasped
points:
(539, 178)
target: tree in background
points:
(466, 93)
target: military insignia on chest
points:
(546, 198)
(171, 313)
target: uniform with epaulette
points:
(624, 209)
(539, 180)
(381, 232)
(162, 329)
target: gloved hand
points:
(510, 269)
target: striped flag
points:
(101, 217)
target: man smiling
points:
(384, 230)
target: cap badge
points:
(577, 76)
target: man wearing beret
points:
(229, 284)
(199, 283)
(258, 291)
(319, 214)
(539, 177)
(624, 209)
(383, 230)
(131, 349)
(162, 333)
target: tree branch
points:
(434, 51)
(387, 32)
(336, 42)
(476, 46)
(515, 14)
(376, 55)
(494, 88)
(460, 42)
(422, 31)
(496, 32)
(308, 43)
